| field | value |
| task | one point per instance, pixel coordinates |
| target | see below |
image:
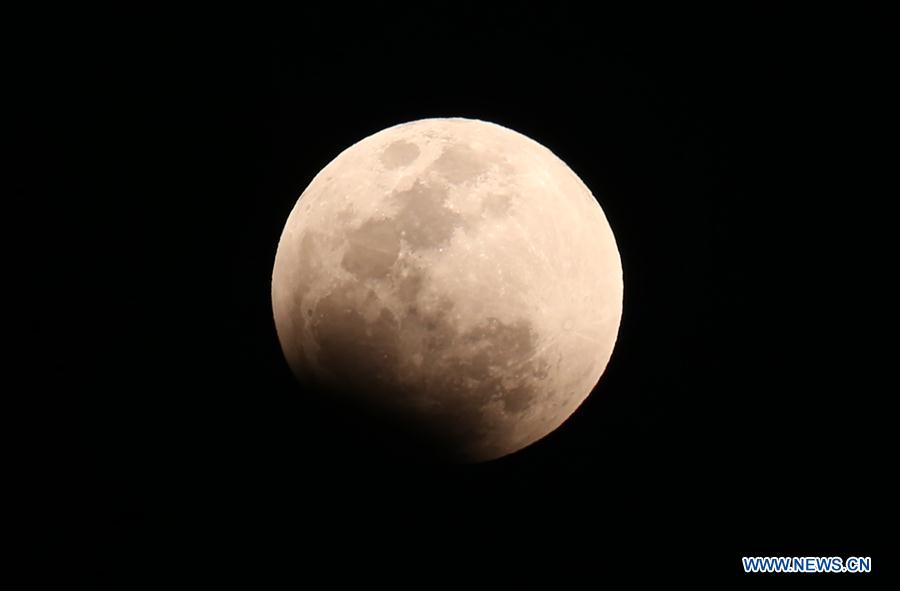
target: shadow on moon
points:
(365, 432)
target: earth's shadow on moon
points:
(360, 431)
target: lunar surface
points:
(454, 275)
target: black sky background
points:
(157, 157)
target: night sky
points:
(157, 156)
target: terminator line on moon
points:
(455, 275)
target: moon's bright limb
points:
(456, 274)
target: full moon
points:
(455, 276)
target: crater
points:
(514, 340)
(399, 153)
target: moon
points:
(455, 276)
